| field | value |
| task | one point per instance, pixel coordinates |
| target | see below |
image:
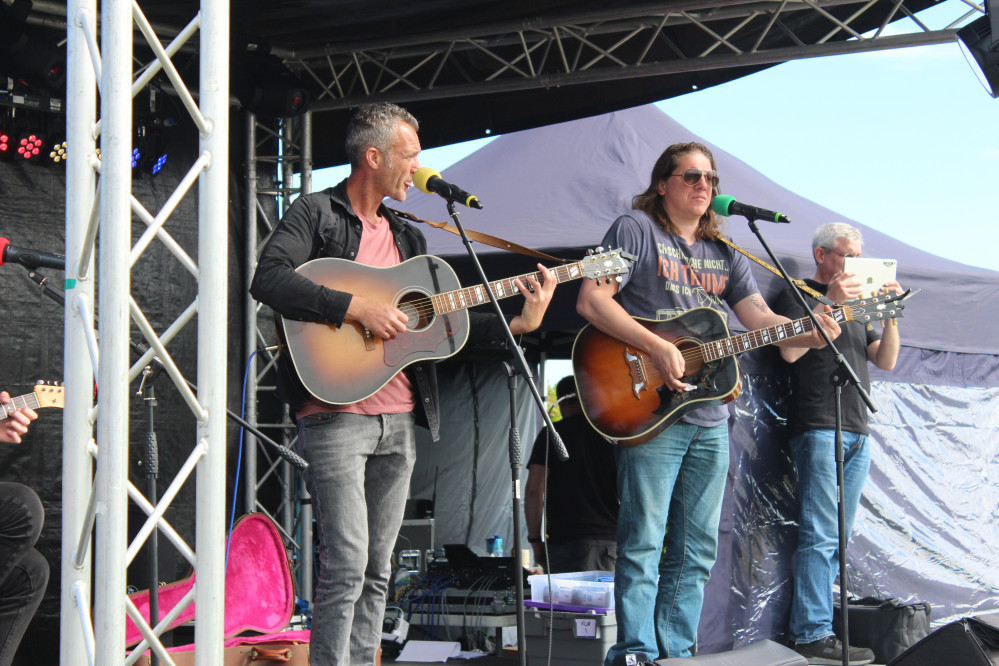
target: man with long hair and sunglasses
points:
(671, 487)
(811, 425)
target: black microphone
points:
(30, 258)
(726, 205)
(429, 181)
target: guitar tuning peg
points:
(589, 251)
(619, 278)
(600, 248)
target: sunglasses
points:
(692, 177)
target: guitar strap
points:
(800, 284)
(481, 237)
(520, 249)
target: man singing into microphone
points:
(811, 426)
(671, 487)
(361, 455)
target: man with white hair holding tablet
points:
(811, 428)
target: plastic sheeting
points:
(925, 531)
(467, 472)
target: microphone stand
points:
(515, 466)
(150, 462)
(521, 367)
(141, 348)
(842, 375)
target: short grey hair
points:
(826, 235)
(374, 126)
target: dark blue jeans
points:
(24, 573)
(358, 476)
(678, 478)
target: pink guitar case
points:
(259, 595)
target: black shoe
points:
(829, 650)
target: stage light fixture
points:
(153, 153)
(7, 150)
(57, 151)
(29, 54)
(263, 84)
(29, 146)
(979, 41)
(155, 164)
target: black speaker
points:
(972, 641)
(762, 653)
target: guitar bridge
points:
(369, 341)
(636, 370)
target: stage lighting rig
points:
(28, 54)
(262, 83)
(979, 41)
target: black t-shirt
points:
(812, 403)
(582, 491)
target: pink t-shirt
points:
(377, 248)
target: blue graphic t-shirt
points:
(670, 277)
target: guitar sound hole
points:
(417, 315)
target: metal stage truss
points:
(99, 213)
(270, 188)
(624, 41)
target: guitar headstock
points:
(888, 306)
(605, 264)
(49, 394)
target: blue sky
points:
(905, 141)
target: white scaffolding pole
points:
(78, 371)
(112, 376)
(250, 332)
(213, 217)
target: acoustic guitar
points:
(624, 395)
(42, 395)
(347, 364)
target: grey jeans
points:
(358, 476)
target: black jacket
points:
(324, 224)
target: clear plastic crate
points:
(592, 589)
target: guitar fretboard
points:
(461, 299)
(29, 400)
(737, 344)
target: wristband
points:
(535, 539)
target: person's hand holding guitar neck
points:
(16, 424)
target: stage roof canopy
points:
(471, 68)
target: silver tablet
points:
(871, 273)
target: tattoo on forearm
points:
(760, 303)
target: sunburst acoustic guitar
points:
(624, 396)
(347, 364)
